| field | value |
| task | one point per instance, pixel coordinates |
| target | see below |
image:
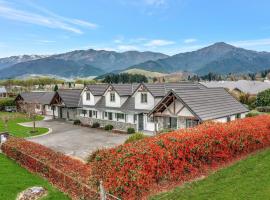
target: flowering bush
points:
(134, 170)
(68, 174)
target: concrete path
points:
(76, 140)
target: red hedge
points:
(68, 174)
(134, 170)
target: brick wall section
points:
(116, 125)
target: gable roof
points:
(124, 89)
(161, 89)
(97, 89)
(44, 98)
(209, 103)
(70, 97)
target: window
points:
(228, 119)
(90, 113)
(135, 118)
(106, 114)
(120, 116)
(143, 97)
(110, 116)
(88, 96)
(84, 112)
(112, 97)
(38, 106)
(238, 116)
(191, 123)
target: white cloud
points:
(252, 43)
(127, 48)
(48, 19)
(158, 43)
(190, 40)
(154, 2)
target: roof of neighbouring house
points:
(97, 89)
(3, 90)
(246, 86)
(209, 103)
(70, 97)
(125, 89)
(44, 98)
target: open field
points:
(247, 179)
(17, 130)
(15, 179)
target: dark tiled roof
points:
(161, 89)
(70, 97)
(211, 103)
(97, 89)
(125, 89)
(38, 97)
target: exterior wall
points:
(48, 110)
(90, 102)
(144, 106)
(116, 124)
(116, 103)
(178, 105)
(222, 120)
(68, 113)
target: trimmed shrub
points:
(133, 170)
(130, 130)
(263, 98)
(108, 127)
(263, 109)
(77, 122)
(252, 114)
(95, 125)
(69, 175)
(135, 137)
(6, 102)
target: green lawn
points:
(17, 130)
(14, 179)
(248, 179)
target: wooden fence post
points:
(102, 191)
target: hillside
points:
(220, 58)
(76, 63)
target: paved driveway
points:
(76, 140)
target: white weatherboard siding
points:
(178, 105)
(109, 103)
(144, 106)
(48, 110)
(90, 102)
(222, 120)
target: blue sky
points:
(168, 26)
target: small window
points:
(84, 112)
(88, 96)
(238, 116)
(191, 123)
(112, 97)
(143, 97)
(120, 116)
(106, 114)
(228, 119)
(90, 113)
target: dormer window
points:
(112, 97)
(88, 96)
(143, 97)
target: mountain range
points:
(220, 58)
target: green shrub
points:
(135, 137)
(6, 102)
(95, 125)
(263, 98)
(252, 114)
(130, 130)
(108, 127)
(77, 122)
(263, 109)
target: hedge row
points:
(134, 170)
(69, 175)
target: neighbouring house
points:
(241, 86)
(44, 103)
(70, 99)
(187, 108)
(3, 92)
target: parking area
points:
(76, 140)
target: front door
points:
(140, 121)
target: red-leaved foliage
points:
(132, 171)
(68, 174)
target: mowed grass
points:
(14, 179)
(17, 130)
(248, 179)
